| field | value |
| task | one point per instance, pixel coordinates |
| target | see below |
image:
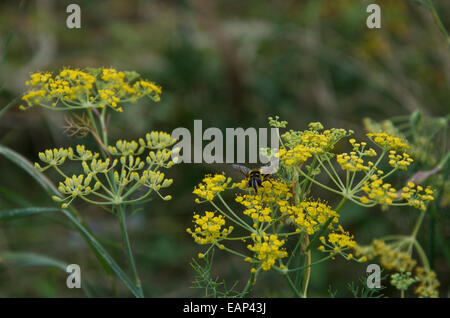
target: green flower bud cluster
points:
(315, 138)
(131, 166)
(403, 280)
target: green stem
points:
(335, 172)
(418, 224)
(294, 251)
(319, 184)
(311, 264)
(422, 255)
(231, 251)
(96, 134)
(389, 173)
(341, 205)
(339, 185)
(296, 177)
(444, 160)
(91, 117)
(431, 235)
(104, 129)
(126, 240)
(307, 273)
(250, 283)
(438, 20)
(237, 222)
(368, 175)
(240, 221)
(291, 284)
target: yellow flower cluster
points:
(270, 190)
(384, 126)
(428, 283)
(208, 228)
(262, 206)
(65, 86)
(354, 161)
(267, 249)
(338, 242)
(313, 139)
(417, 196)
(399, 161)
(342, 239)
(422, 143)
(211, 186)
(275, 196)
(309, 215)
(387, 141)
(295, 156)
(360, 147)
(279, 202)
(316, 142)
(273, 204)
(274, 190)
(391, 256)
(378, 192)
(394, 257)
(255, 208)
(72, 89)
(298, 146)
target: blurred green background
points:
(231, 63)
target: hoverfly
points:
(255, 177)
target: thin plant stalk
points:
(126, 240)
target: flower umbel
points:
(428, 283)
(281, 211)
(267, 249)
(208, 228)
(211, 186)
(387, 141)
(128, 171)
(72, 89)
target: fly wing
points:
(267, 170)
(242, 169)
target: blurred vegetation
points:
(232, 64)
